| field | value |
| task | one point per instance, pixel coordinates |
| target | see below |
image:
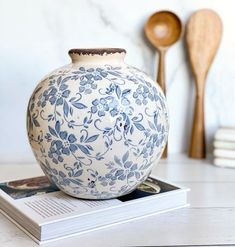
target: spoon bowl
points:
(163, 29)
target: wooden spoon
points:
(163, 29)
(203, 35)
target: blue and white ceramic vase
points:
(97, 126)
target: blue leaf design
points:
(85, 120)
(151, 125)
(83, 149)
(81, 138)
(125, 157)
(79, 105)
(159, 126)
(118, 173)
(89, 147)
(35, 122)
(128, 164)
(125, 92)
(139, 126)
(57, 126)
(52, 131)
(92, 138)
(71, 111)
(90, 70)
(114, 73)
(78, 181)
(137, 175)
(78, 173)
(66, 109)
(131, 174)
(117, 160)
(72, 99)
(99, 158)
(59, 80)
(58, 113)
(127, 123)
(63, 86)
(131, 130)
(155, 120)
(118, 91)
(82, 69)
(61, 174)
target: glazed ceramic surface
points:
(97, 125)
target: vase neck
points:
(98, 56)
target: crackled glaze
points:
(97, 125)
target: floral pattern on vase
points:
(97, 129)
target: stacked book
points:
(224, 147)
(44, 213)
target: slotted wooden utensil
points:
(163, 29)
(203, 35)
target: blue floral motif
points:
(108, 179)
(43, 98)
(48, 137)
(114, 107)
(142, 94)
(55, 155)
(54, 95)
(117, 107)
(58, 96)
(87, 85)
(89, 78)
(59, 178)
(96, 74)
(128, 168)
(100, 106)
(79, 150)
(66, 143)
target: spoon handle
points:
(198, 146)
(161, 82)
(161, 71)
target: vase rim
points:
(96, 51)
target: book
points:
(45, 213)
(224, 162)
(224, 153)
(224, 147)
(227, 145)
(225, 134)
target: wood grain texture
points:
(163, 29)
(203, 35)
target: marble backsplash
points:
(35, 37)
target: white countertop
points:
(210, 220)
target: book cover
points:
(36, 204)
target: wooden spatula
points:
(203, 35)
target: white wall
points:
(36, 35)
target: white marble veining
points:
(36, 35)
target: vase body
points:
(97, 125)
